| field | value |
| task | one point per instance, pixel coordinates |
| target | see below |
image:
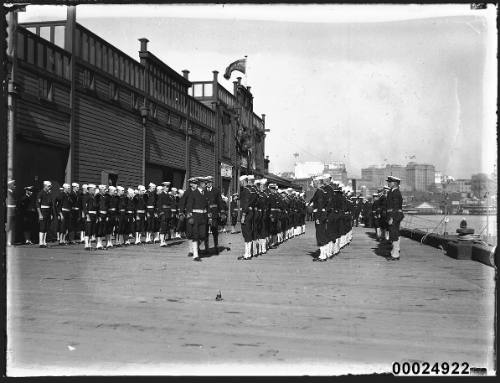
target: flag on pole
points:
(239, 65)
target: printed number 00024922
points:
(426, 368)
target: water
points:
(485, 226)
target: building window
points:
(153, 110)
(134, 100)
(45, 89)
(88, 79)
(113, 91)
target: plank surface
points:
(147, 310)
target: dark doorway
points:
(158, 174)
(34, 163)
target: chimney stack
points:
(235, 87)
(185, 73)
(216, 74)
(248, 88)
(144, 44)
(264, 118)
(239, 80)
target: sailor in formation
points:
(333, 216)
(269, 216)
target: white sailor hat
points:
(159, 187)
(151, 184)
(111, 188)
(75, 184)
(180, 191)
(251, 177)
(141, 187)
(85, 186)
(136, 191)
(91, 186)
(393, 179)
(243, 177)
(120, 188)
(263, 181)
(102, 187)
(66, 186)
(193, 180)
(47, 183)
(166, 183)
(209, 178)
(130, 191)
(174, 189)
(273, 186)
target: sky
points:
(365, 85)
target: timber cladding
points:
(106, 138)
(202, 157)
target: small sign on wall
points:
(226, 170)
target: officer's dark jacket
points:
(43, 198)
(394, 200)
(319, 200)
(122, 203)
(91, 203)
(64, 202)
(140, 202)
(150, 198)
(27, 203)
(130, 204)
(164, 202)
(113, 203)
(215, 201)
(196, 200)
(247, 199)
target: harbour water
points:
(484, 225)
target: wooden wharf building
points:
(82, 110)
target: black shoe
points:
(197, 259)
(242, 258)
(319, 260)
(190, 254)
(392, 258)
(216, 251)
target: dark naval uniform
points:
(130, 215)
(64, 207)
(395, 214)
(113, 215)
(247, 201)
(216, 207)
(196, 205)
(90, 210)
(320, 200)
(164, 205)
(151, 221)
(102, 214)
(233, 206)
(140, 213)
(44, 203)
(27, 206)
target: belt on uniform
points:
(92, 212)
(11, 205)
(212, 206)
(141, 211)
(150, 207)
(389, 210)
(201, 211)
(112, 209)
(44, 207)
(166, 207)
(236, 209)
(103, 212)
(64, 209)
(75, 208)
(130, 212)
(273, 209)
(259, 209)
(122, 210)
(173, 209)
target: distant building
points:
(337, 170)
(308, 169)
(374, 177)
(287, 174)
(420, 177)
(480, 184)
(457, 186)
(306, 185)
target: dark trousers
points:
(196, 226)
(247, 227)
(45, 221)
(140, 223)
(165, 222)
(90, 225)
(65, 222)
(151, 221)
(102, 223)
(394, 227)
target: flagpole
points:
(246, 70)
